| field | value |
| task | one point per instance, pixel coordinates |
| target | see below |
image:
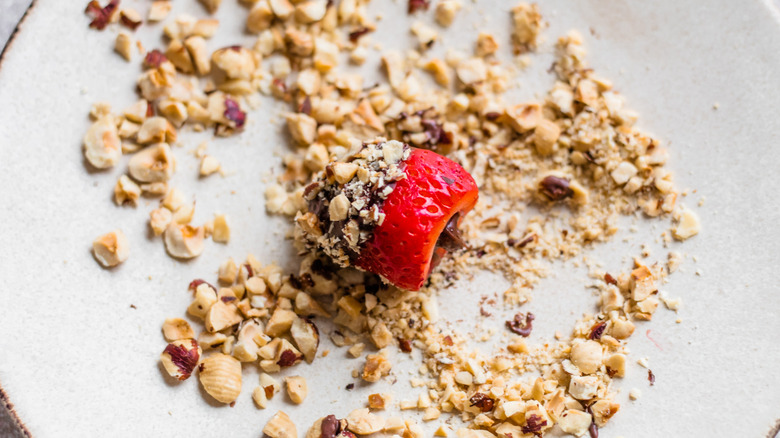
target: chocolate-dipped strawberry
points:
(389, 209)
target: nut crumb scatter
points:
(555, 174)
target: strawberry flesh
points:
(421, 218)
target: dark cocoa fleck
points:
(492, 116)
(610, 279)
(450, 238)
(228, 299)
(651, 377)
(405, 345)
(521, 324)
(350, 386)
(555, 188)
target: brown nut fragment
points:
(154, 163)
(183, 241)
(287, 355)
(363, 422)
(111, 249)
(177, 328)
(376, 366)
(236, 61)
(211, 5)
(296, 388)
(102, 146)
(521, 324)
(306, 337)
(180, 358)
(378, 401)
(220, 376)
(555, 188)
(486, 44)
(280, 426)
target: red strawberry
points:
(436, 193)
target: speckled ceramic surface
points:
(77, 360)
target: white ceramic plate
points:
(77, 360)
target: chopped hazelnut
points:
(280, 426)
(102, 146)
(220, 376)
(296, 388)
(221, 233)
(184, 241)
(180, 358)
(124, 45)
(363, 422)
(575, 422)
(208, 165)
(445, 12)
(688, 225)
(376, 366)
(126, 191)
(111, 249)
(177, 328)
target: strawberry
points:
(422, 214)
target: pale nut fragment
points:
(260, 17)
(281, 321)
(471, 71)
(209, 165)
(159, 219)
(111, 248)
(196, 45)
(326, 54)
(587, 356)
(179, 56)
(237, 62)
(211, 5)
(393, 151)
(158, 10)
(280, 426)
(296, 388)
(486, 44)
(363, 422)
(583, 387)
(176, 328)
(524, 117)
(221, 232)
(259, 397)
(180, 358)
(575, 422)
(376, 366)
(205, 297)
(306, 337)
(124, 45)
(344, 172)
(310, 11)
(623, 172)
(175, 112)
(303, 128)
(439, 70)
(154, 163)
(281, 8)
(426, 35)
(616, 364)
(688, 225)
(622, 329)
(546, 135)
(641, 283)
(156, 130)
(126, 191)
(380, 335)
(184, 241)
(136, 113)
(603, 410)
(220, 376)
(102, 146)
(222, 315)
(445, 12)
(339, 208)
